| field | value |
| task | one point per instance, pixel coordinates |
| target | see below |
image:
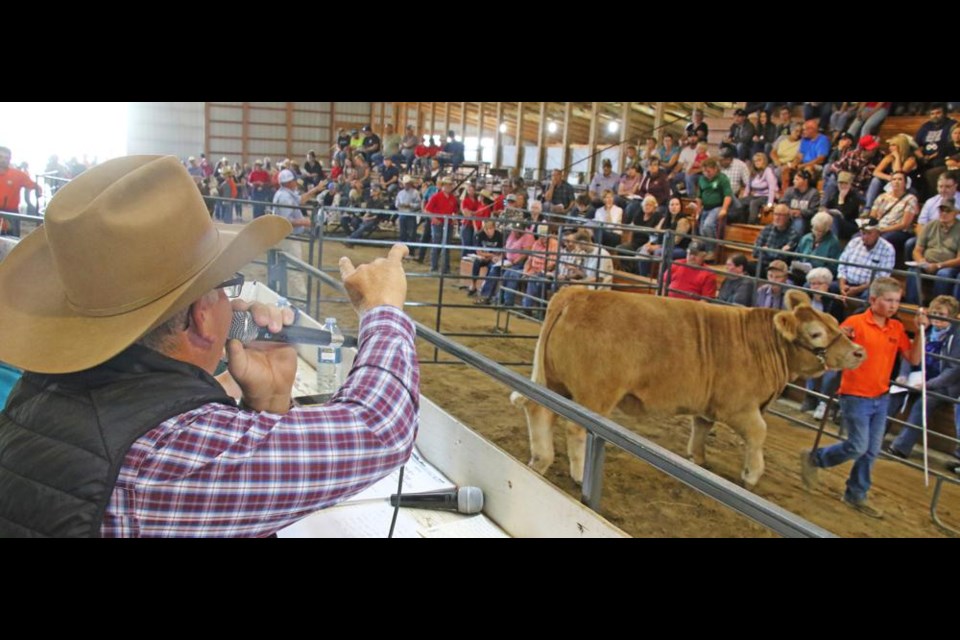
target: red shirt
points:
(259, 175)
(11, 181)
(482, 212)
(444, 204)
(498, 203)
(335, 172)
(872, 378)
(682, 277)
(432, 151)
(421, 151)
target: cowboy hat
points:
(124, 246)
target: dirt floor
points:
(636, 497)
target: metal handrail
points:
(737, 498)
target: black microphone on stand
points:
(244, 329)
(466, 500)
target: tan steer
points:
(663, 356)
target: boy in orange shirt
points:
(864, 393)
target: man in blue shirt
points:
(814, 148)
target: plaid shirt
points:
(882, 255)
(221, 471)
(739, 176)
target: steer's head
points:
(819, 342)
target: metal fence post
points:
(593, 471)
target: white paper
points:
(474, 527)
(913, 381)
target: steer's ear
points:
(795, 298)
(787, 324)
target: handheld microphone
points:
(244, 329)
(466, 500)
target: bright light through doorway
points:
(36, 130)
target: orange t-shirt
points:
(11, 181)
(872, 378)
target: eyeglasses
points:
(233, 286)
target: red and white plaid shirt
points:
(220, 471)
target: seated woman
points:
(765, 136)
(943, 376)
(650, 217)
(608, 214)
(844, 205)
(763, 188)
(819, 280)
(820, 242)
(676, 220)
(899, 158)
(627, 187)
(785, 156)
(509, 269)
(896, 211)
(539, 270)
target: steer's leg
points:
(576, 450)
(599, 401)
(540, 423)
(753, 429)
(698, 435)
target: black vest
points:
(63, 438)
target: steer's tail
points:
(558, 304)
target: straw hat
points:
(123, 247)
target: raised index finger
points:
(398, 252)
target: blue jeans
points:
(871, 126)
(261, 197)
(908, 436)
(490, 283)
(467, 232)
(510, 285)
(439, 234)
(365, 229)
(708, 225)
(873, 191)
(408, 228)
(865, 420)
(939, 288)
(535, 291)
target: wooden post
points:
(433, 118)
(497, 156)
(592, 140)
(383, 118)
(567, 117)
(245, 135)
(625, 123)
(206, 129)
(463, 120)
(290, 130)
(446, 123)
(480, 116)
(540, 139)
(520, 139)
(658, 121)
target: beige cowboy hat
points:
(124, 246)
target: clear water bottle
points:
(330, 360)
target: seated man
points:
(509, 269)
(803, 200)
(489, 243)
(596, 264)
(779, 234)
(736, 289)
(814, 149)
(714, 199)
(452, 152)
(937, 253)
(539, 268)
(689, 279)
(738, 173)
(559, 195)
(770, 295)
(604, 180)
(869, 250)
(127, 370)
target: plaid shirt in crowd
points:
(882, 255)
(221, 471)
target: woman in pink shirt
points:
(511, 268)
